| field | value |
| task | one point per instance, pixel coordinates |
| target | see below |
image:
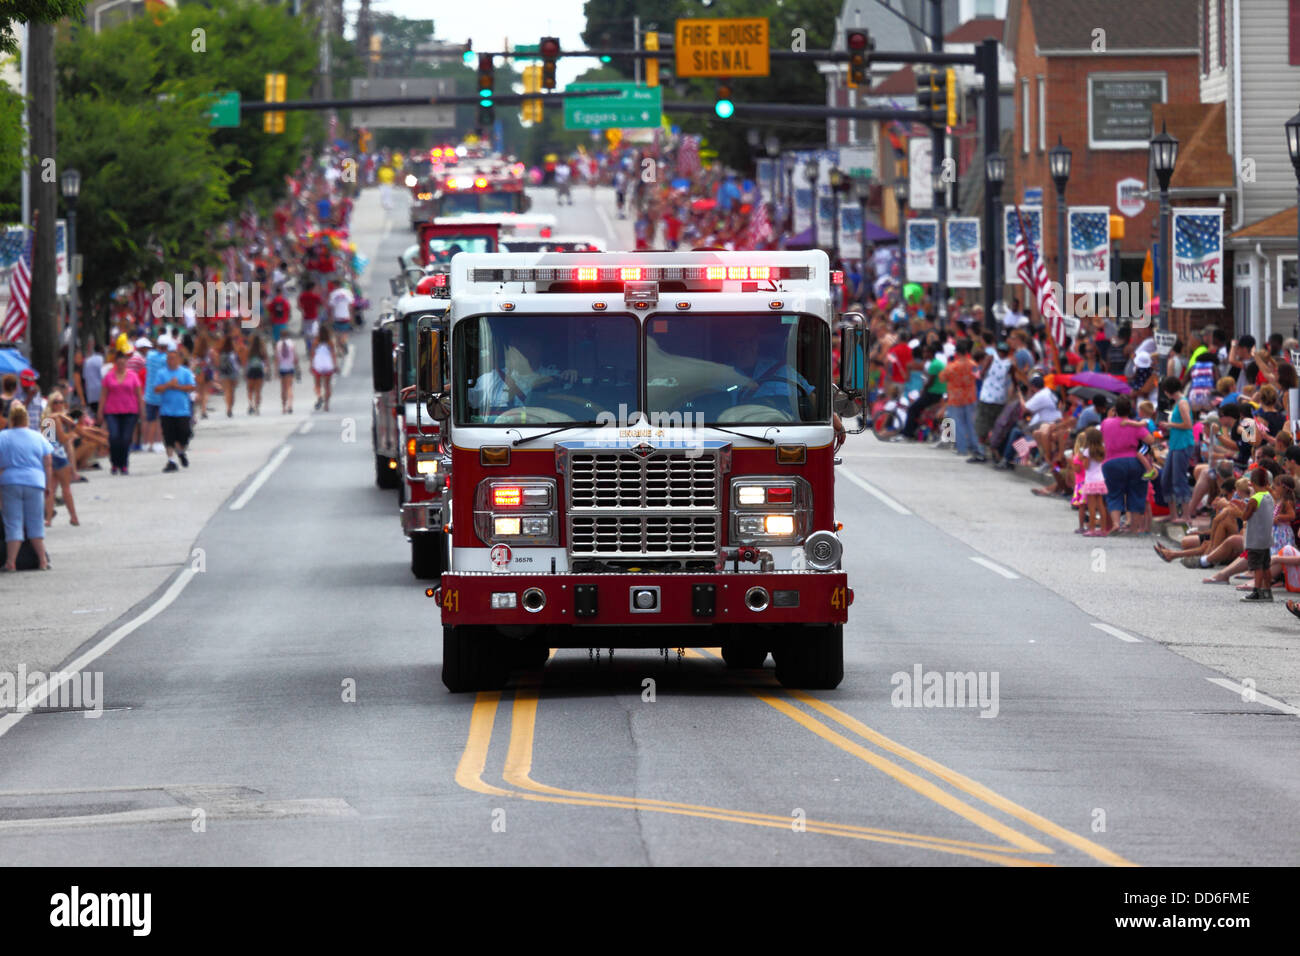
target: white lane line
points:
(996, 568)
(346, 369)
(614, 242)
(875, 492)
(38, 696)
(260, 480)
(1116, 632)
(306, 427)
(1247, 695)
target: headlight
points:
(751, 495)
(427, 467)
(518, 511)
(778, 524)
(411, 181)
(770, 510)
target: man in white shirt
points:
(340, 306)
(1013, 318)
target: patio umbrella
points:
(1113, 384)
(12, 361)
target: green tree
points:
(30, 11)
(11, 153)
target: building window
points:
(1042, 113)
(986, 8)
(1119, 108)
(1024, 115)
(1288, 283)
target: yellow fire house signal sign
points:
(722, 47)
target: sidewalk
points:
(136, 531)
(1117, 580)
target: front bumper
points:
(421, 516)
(793, 597)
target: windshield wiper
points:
(762, 438)
(563, 428)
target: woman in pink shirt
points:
(1126, 489)
(120, 399)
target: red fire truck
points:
(642, 455)
(406, 356)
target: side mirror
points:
(852, 412)
(439, 407)
(853, 356)
(381, 358)
(397, 285)
(429, 356)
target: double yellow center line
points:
(517, 776)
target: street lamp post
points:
(1164, 155)
(811, 171)
(789, 198)
(862, 191)
(1293, 147)
(1058, 162)
(900, 200)
(772, 146)
(838, 183)
(995, 173)
(71, 188)
(941, 258)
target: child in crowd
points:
(1147, 421)
(1284, 491)
(1093, 453)
(1258, 516)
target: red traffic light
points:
(549, 47)
(856, 40)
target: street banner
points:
(767, 178)
(963, 236)
(920, 191)
(850, 231)
(1198, 259)
(922, 250)
(1089, 228)
(1165, 342)
(1033, 220)
(802, 201)
(825, 213)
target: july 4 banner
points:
(825, 213)
(1033, 219)
(850, 231)
(922, 250)
(1198, 259)
(766, 176)
(1089, 243)
(964, 253)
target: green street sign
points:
(224, 110)
(636, 107)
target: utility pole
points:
(938, 141)
(326, 90)
(636, 45)
(43, 322)
(988, 51)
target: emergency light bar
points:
(641, 274)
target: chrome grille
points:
(667, 504)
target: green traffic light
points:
(724, 108)
(486, 101)
(485, 92)
(467, 58)
(605, 59)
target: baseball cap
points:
(1142, 359)
(166, 342)
(27, 376)
(143, 343)
(1036, 381)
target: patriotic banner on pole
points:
(766, 177)
(1011, 219)
(850, 231)
(825, 213)
(920, 187)
(688, 156)
(1089, 228)
(759, 231)
(964, 253)
(802, 201)
(14, 325)
(1198, 259)
(922, 250)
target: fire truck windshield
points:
(471, 201)
(545, 369)
(442, 248)
(756, 369)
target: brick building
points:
(1089, 72)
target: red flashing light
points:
(837, 277)
(585, 273)
(779, 496)
(857, 40)
(630, 273)
(426, 285)
(760, 272)
(549, 47)
(715, 272)
(481, 183)
(545, 232)
(737, 272)
(436, 152)
(511, 496)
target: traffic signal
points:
(274, 122)
(549, 48)
(930, 100)
(860, 47)
(723, 105)
(950, 88)
(486, 83)
(468, 56)
(652, 63)
(531, 110)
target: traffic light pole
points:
(938, 137)
(988, 54)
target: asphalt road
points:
(290, 692)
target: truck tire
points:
(742, 654)
(386, 477)
(812, 658)
(530, 654)
(472, 659)
(426, 554)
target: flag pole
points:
(1033, 277)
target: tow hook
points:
(746, 553)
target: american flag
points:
(760, 227)
(20, 295)
(688, 156)
(1023, 446)
(1033, 273)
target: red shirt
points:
(279, 309)
(899, 358)
(309, 302)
